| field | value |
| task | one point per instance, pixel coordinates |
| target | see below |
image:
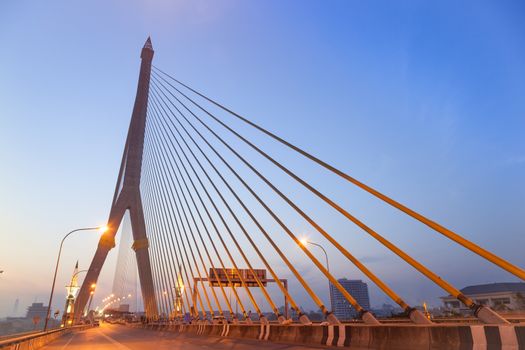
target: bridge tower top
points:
(147, 50)
(135, 141)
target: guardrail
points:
(16, 335)
(36, 340)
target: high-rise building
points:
(15, 307)
(341, 307)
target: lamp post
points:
(305, 241)
(101, 229)
(71, 294)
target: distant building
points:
(13, 325)
(357, 289)
(123, 308)
(37, 309)
(387, 310)
(15, 307)
(498, 296)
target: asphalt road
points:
(110, 337)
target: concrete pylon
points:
(127, 197)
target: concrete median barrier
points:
(406, 337)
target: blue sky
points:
(420, 100)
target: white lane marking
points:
(119, 345)
(69, 341)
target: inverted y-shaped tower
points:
(127, 197)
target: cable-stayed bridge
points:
(215, 215)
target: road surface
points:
(118, 337)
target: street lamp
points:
(70, 301)
(306, 241)
(101, 229)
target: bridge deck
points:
(110, 337)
